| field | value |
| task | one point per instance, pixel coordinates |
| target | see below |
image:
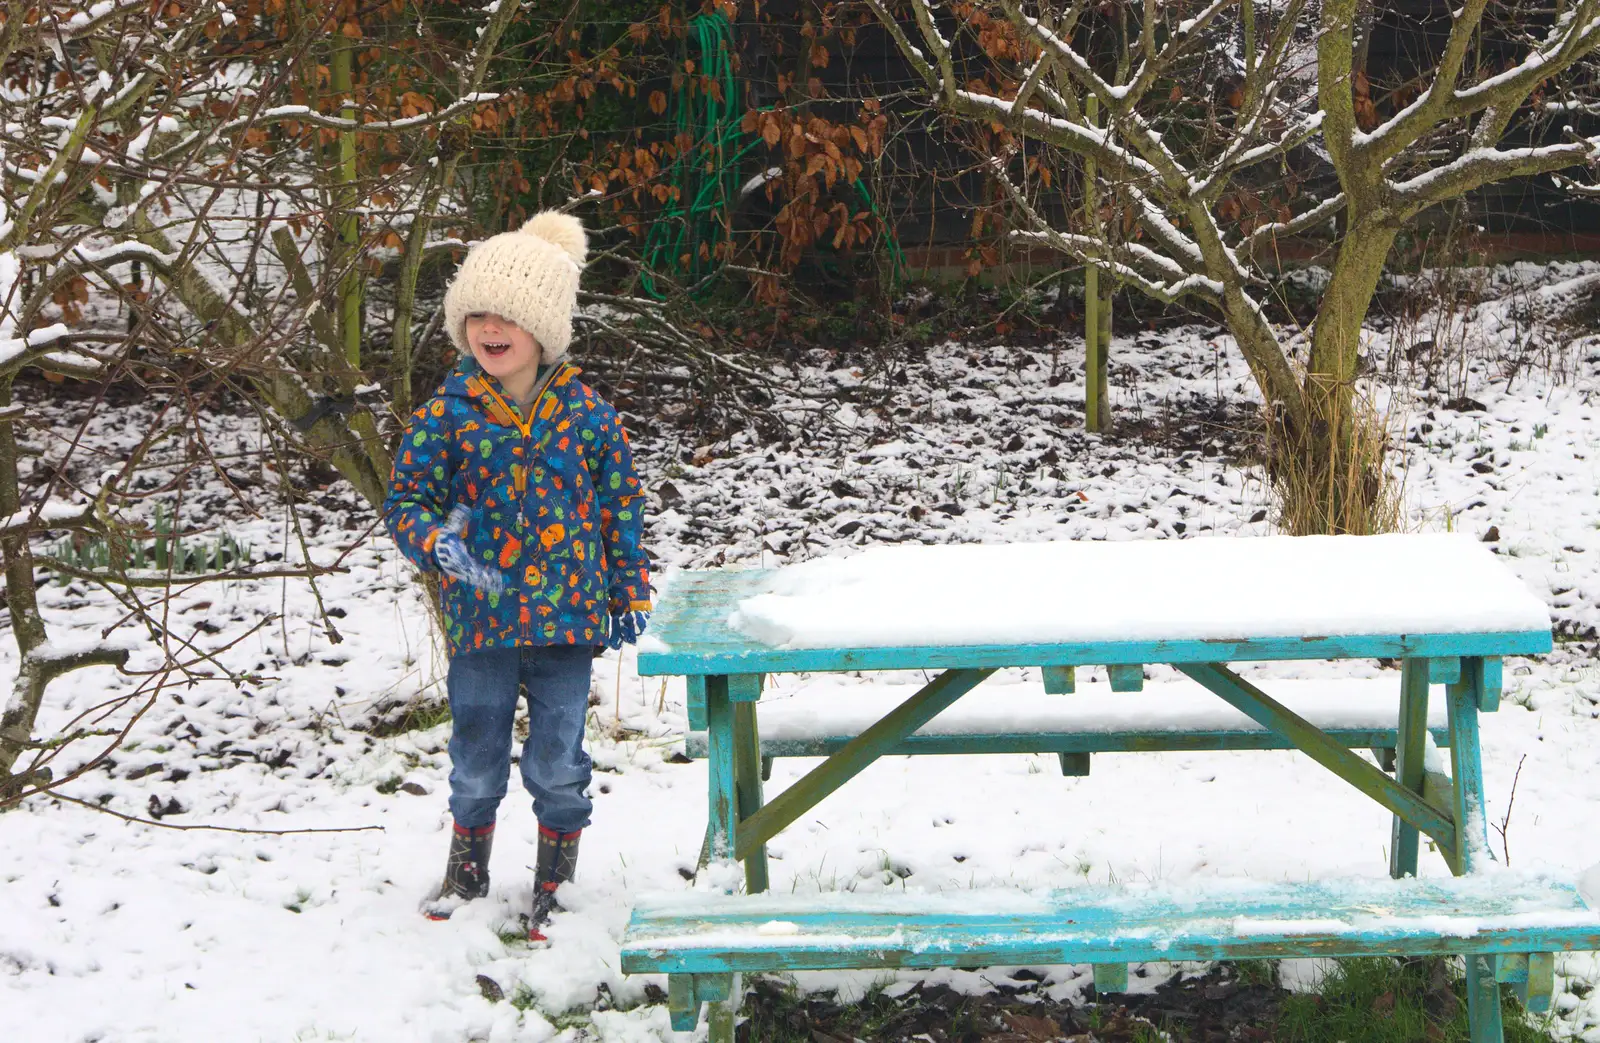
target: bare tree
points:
(1202, 99)
(194, 198)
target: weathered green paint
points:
(686, 993)
(682, 1008)
(720, 753)
(682, 932)
(1110, 977)
(1444, 670)
(1472, 846)
(1541, 982)
(747, 786)
(1269, 713)
(744, 688)
(859, 752)
(1513, 968)
(1060, 680)
(1439, 790)
(1415, 675)
(1126, 677)
(1074, 764)
(722, 1015)
(1169, 741)
(695, 701)
(1384, 755)
(692, 623)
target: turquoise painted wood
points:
(1415, 676)
(1487, 674)
(747, 766)
(1163, 741)
(723, 812)
(1110, 977)
(690, 658)
(1269, 713)
(682, 1008)
(692, 623)
(1126, 677)
(745, 688)
(1060, 680)
(687, 992)
(1444, 670)
(1472, 846)
(1541, 982)
(708, 940)
(1533, 976)
(695, 699)
(691, 933)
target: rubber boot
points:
(558, 860)
(466, 871)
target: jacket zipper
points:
(525, 426)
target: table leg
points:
(722, 1015)
(1472, 845)
(747, 784)
(1410, 742)
(721, 788)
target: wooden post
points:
(1472, 846)
(747, 784)
(722, 810)
(1096, 307)
(1410, 741)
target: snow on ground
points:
(113, 931)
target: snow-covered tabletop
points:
(1321, 590)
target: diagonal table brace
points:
(861, 751)
(1310, 740)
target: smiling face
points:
(505, 350)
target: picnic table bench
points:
(1441, 605)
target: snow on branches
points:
(1226, 127)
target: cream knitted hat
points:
(529, 276)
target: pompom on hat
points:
(529, 276)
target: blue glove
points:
(452, 555)
(626, 628)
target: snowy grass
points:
(1376, 1000)
(122, 932)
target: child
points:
(515, 483)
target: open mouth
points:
(495, 348)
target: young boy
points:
(515, 483)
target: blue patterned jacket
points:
(556, 507)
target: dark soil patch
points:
(1218, 1006)
(1364, 1001)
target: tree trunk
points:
(1329, 466)
(22, 708)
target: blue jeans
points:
(484, 687)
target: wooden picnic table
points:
(1441, 605)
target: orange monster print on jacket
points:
(556, 507)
